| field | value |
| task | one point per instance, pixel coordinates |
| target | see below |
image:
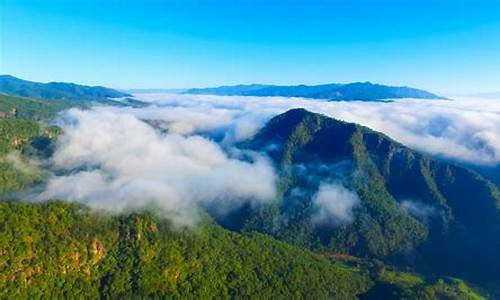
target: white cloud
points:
(334, 204)
(418, 209)
(112, 158)
(464, 129)
(115, 161)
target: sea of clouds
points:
(180, 152)
(465, 129)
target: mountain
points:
(412, 210)
(56, 90)
(27, 108)
(364, 91)
(60, 249)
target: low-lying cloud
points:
(419, 209)
(334, 204)
(180, 152)
(113, 160)
(467, 130)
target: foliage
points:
(32, 108)
(59, 249)
(56, 90)
(20, 139)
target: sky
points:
(444, 46)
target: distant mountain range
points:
(364, 91)
(13, 86)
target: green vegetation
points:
(20, 139)
(392, 284)
(406, 280)
(33, 109)
(60, 249)
(56, 90)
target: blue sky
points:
(446, 46)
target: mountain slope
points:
(20, 139)
(435, 216)
(365, 91)
(33, 108)
(56, 90)
(61, 250)
(88, 255)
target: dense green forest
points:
(59, 249)
(20, 140)
(56, 90)
(28, 108)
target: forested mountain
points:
(364, 91)
(59, 250)
(308, 149)
(28, 108)
(413, 210)
(11, 85)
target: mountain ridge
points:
(363, 91)
(14, 86)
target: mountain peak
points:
(407, 200)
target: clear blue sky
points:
(446, 46)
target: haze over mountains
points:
(364, 91)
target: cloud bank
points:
(467, 130)
(180, 152)
(115, 161)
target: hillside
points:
(28, 108)
(20, 139)
(413, 210)
(88, 255)
(56, 90)
(60, 249)
(364, 91)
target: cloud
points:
(113, 160)
(27, 167)
(180, 152)
(418, 209)
(466, 129)
(334, 204)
